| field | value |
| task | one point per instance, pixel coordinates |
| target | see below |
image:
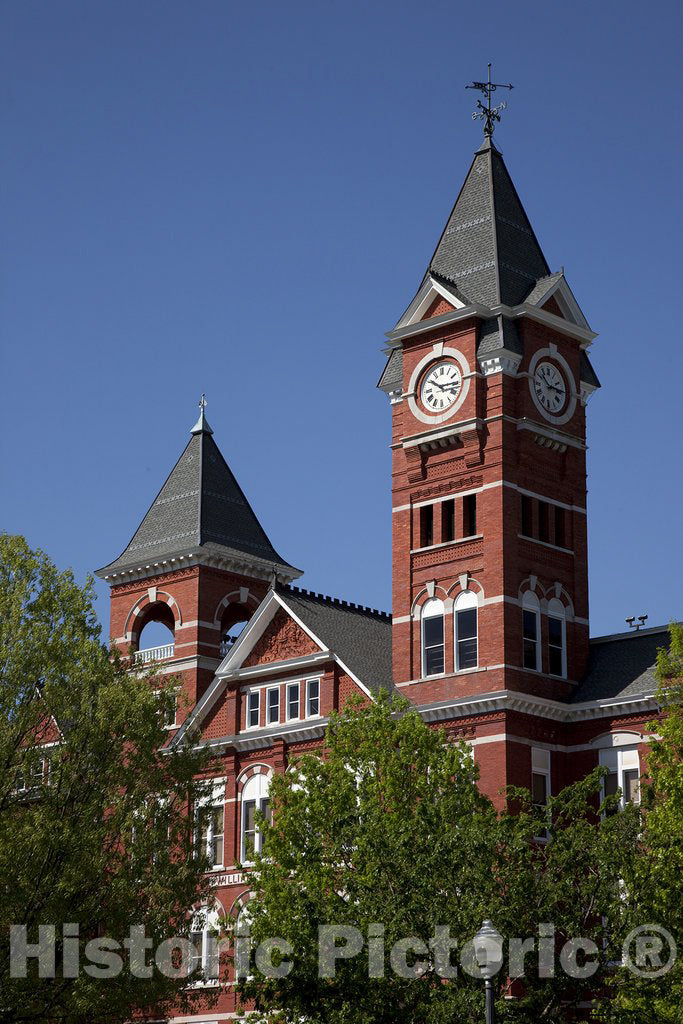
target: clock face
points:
(440, 387)
(549, 387)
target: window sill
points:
(545, 544)
(446, 544)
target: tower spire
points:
(202, 426)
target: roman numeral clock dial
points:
(440, 387)
(549, 387)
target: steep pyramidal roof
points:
(201, 510)
(488, 249)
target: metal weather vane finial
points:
(487, 113)
(202, 402)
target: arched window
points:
(531, 631)
(465, 608)
(557, 639)
(254, 798)
(432, 637)
(465, 614)
(204, 933)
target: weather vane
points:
(202, 403)
(488, 113)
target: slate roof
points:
(499, 332)
(360, 637)
(622, 665)
(200, 509)
(392, 374)
(586, 372)
(542, 287)
(488, 248)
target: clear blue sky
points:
(241, 199)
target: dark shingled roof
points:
(499, 332)
(488, 248)
(200, 509)
(622, 665)
(586, 372)
(542, 287)
(392, 374)
(360, 637)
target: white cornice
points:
(257, 568)
(511, 700)
(584, 335)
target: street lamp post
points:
(487, 950)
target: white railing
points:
(154, 654)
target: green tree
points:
(94, 826)
(388, 828)
(654, 879)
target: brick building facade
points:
(488, 377)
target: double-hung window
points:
(292, 701)
(273, 705)
(433, 660)
(312, 698)
(205, 947)
(254, 798)
(557, 642)
(540, 786)
(210, 822)
(623, 765)
(253, 709)
(531, 632)
(466, 630)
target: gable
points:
(553, 306)
(282, 639)
(438, 306)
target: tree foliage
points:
(389, 828)
(654, 879)
(94, 827)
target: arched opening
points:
(233, 621)
(155, 633)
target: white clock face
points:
(550, 388)
(440, 387)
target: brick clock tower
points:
(488, 376)
(200, 563)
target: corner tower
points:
(488, 377)
(199, 563)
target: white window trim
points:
(620, 760)
(556, 611)
(297, 717)
(308, 697)
(541, 765)
(261, 784)
(210, 923)
(467, 605)
(213, 797)
(272, 689)
(257, 695)
(530, 603)
(423, 617)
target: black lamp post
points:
(487, 951)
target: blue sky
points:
(241, 199)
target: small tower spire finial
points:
(202, 426)
(487, 113)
